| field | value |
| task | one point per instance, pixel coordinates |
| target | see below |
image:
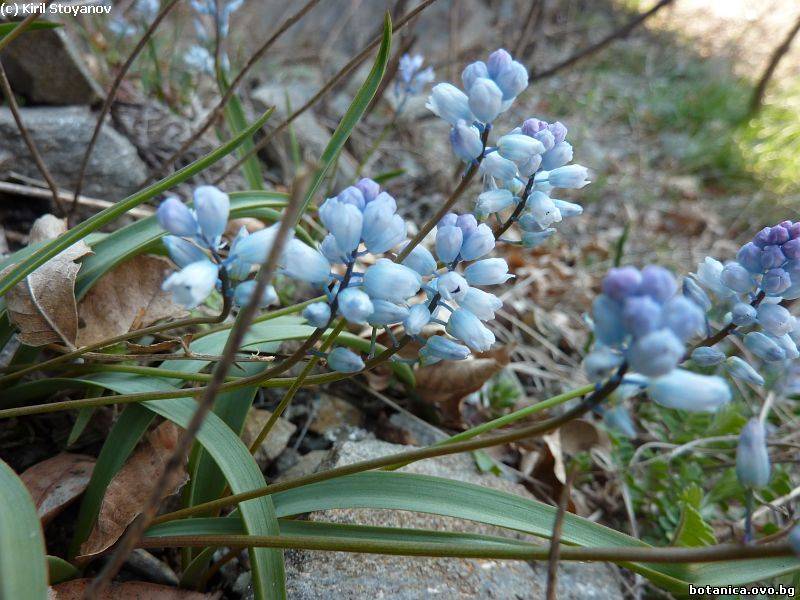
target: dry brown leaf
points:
(447, 383)
(128, 296)
(130, 590)
(43, 306)
(571, 438)
(131, 487)
(56, 482)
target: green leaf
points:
(60, 570)
(237, 122)
(354, 113)
(50, 249)
(692, 529)
(23, 568)
(6, 28)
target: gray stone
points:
(45, 68)
(355, 576)
(61, 135)
(277, 439)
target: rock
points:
(332, 413)
(61, 135)
(150, 568)
(418, 433)
(46, 68)
(340, 575)
(304, 465)
(276, 440)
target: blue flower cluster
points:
(411, 78)
(640, 320)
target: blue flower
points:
(182, 252)
(355, 305)
(244, 292)
(254, 248)
(485, 99)
(438, 347)
(466, 141)
(707, 356)
(774, 319)
(764, 347)
(386, 280)
(418, 317)
(739, 369)
(211, 206)
(449, 103)
(173, 216)
(421, 260)
(448, 242)
(305, 263)
(684, 390)
(452, 286)
(465, 326)
(657, 353)
(344, 221)
(499, 167)
(752, 458)
(519, 147)
(492, 201)
(489, 271)
(477, 242)
(193, 283)
(317, 314)
(568, 177)
(386, 313)
(345, 361)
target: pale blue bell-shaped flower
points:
(467, 223)
(518, 147)
(386, 280)
(383, 229)
(174, 216)
(468, 328)
(543, 209)
(558, 156)
(492, 201)
(369, 189)
(512, 80)
(774, 319)
(244, 292)
(192, 284)
(448, 242)
(354, 195)
(498, 61)
(237, 269)
(794, 539)
(305, 263)
(317, 314)
(416, 320)
(449, 103)
(775, 282)
(344, 221)
(608, 326)
(485, 99)
(600, 363)
(569, 209)
(345, 361)
(472, 72)
(499, 167)
(743, 314)
(466, 141)
(572, 177)
(481, 304)
(330, 250)
(683, 317)
(386, 313)
(212, 206)
(530, 166)
(737, 278)
(684, 390)
(478, 242)
(182, 252)
(532, 239)
(438, 347)
(696, 294)
(752, 457)
(355, 305)
(740, 369)
(709, 274)
(619, 419)
(452, 286)
(394, 234)
(707, 356)
(656, 353)
(788, 345)
(489, 271)
(421, 260)
(764, 347)
(255, 247)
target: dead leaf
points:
(56, 482)
(571, 438)
(158, 347)
(43, 306)
(131, 487)
(128, 296)
(130, 590)
(447, 383)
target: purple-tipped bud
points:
(761, 239)
(175, 217)
(775, 282)
(777, 235)
(355, 305)
(707, 356)
(498, 60)
(318, 314)
(466, 141)
(465, 326)
(689, 391)
(448, 242)
(368, 188)
(485, 99)
(621, 282)
(211, 206)
(739, 369)
(344, 221)
(641, 315)
(657, 282)
(345, 361)
(749, 256)
(791, 249)
(558, 130)
(772, 258)
(352, 195)
(489, 271)
(478, 243)
(473, 72)
(752, 458)
(656, 354)
(416, 320)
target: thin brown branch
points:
(555, 538)
(235, 339)
(620, 33)
(5, 85)
(343, 72)
(761, 87)
(528, 33)
(111, 95)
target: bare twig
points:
(243, 320)
(112, 93)
(528, 34)
(26, 136)
(555, 538)
(779, 52)
(343, 72)
(597, 46)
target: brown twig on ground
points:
(111, 95)
(5, 85)
(597, 46)
(245, 317)
(761, 87)
(555, 538)
(343, 72)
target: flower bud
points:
(771, 258)
(743, 314)
(683, 317)
(448, 242)
(466, 141)
(558, 156)
(619, 419)
(739, 369)
(318, 314)
(330, 250)
(394, 233)
(641, 315)
(752, 458)
(791, 249)
(485, 99)
(498, 61)
(512, 80)
(530, 166)
(599, 363)
(305, 263)
(621, 282)
(212, 206)
(345, 361)
(558, 130)
(774, 319)
(381, 225)
(344, 221)
(438, 347)
(707, 356)
(569, 209)
(369, 189)
(472, 72)
(467, 223)
(543, 209)
(749, 256)
(788, 345)
(775, 282)
(489, 271)
(448, 219)
(499, 167)
(192, 284)
(656, 354)
(174, 216)
(421, 260)
(658, 283)
(492, 201)
(255, 247)
(386, 280)
(607, 316)
(764, 347)
(572, 177)
(353, 196)
(532, 239)
(416, 320)
(794, 539)
(533, 126)
(386, 313)
(449, 103)
(478, 243)
(684, 390)
(355, 305)
(182, 252)
(244, 292)
(518, 147)
(452, 286)
(481, 304)
(696, 294)
(468, 328)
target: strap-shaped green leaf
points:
(23, 565)
(237, 121)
